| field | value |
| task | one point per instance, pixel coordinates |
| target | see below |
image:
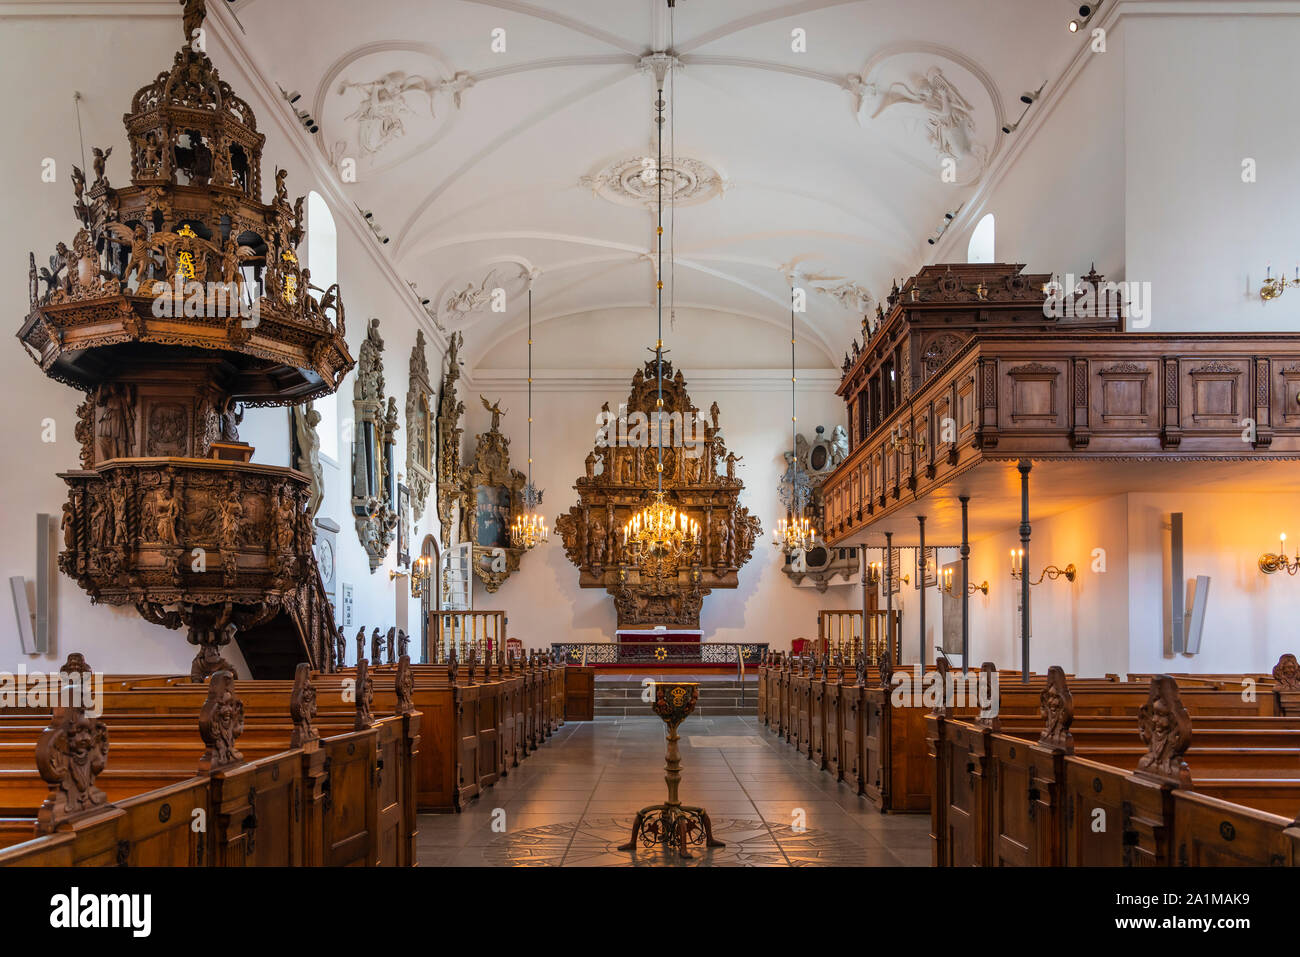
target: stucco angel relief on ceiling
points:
(939, 110)
(385, 107)
(464, 299)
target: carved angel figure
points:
(1056, 708)
(70, 753)
(496, 410)
(101, 157)
(383, 101)
(839, 445)
(140, 261)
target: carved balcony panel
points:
(1140, 397)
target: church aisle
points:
(572, 803)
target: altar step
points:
(621, 698)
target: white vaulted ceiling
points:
(493, 164)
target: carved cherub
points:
(70, 753)
(101, 157)
(281, 190)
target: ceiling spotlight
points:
(1086, 12)
(1029, 99)
(1010, 128)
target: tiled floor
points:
(572, 803)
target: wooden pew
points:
(293, 797)
(1060, 798)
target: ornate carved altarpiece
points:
(421, 451)
(698, 478)
(488, 491)
(374, 492)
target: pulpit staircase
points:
(298, 632)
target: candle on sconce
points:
(1282, 547)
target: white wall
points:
(1115, 617)
(1059, 205)
(116, 55)
(1203, 94)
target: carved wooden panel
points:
(1286, 393)
(1214, 391)
(1033, 392)
(1125, 393)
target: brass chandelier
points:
(529, 527)
(794, 532)
(659, 539)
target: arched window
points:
(322, 260)
(980, 249)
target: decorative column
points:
(889, 596)
(920, 584)
(965, 585)
(1024, 466)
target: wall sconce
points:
(421, 569)
(1270, 563)
(1051, 571)
(971, 587)
(873, 574)
(1274, 286)
(901, 436)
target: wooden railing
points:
(1082, 397)
(461, 631)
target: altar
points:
(670, 648)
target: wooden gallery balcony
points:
(968, 373)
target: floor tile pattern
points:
(572, 802)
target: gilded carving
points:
(699, 478)
(420, 438)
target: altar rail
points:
(462, 631)
(744, 655)
(840, 632)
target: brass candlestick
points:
(672, 824)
